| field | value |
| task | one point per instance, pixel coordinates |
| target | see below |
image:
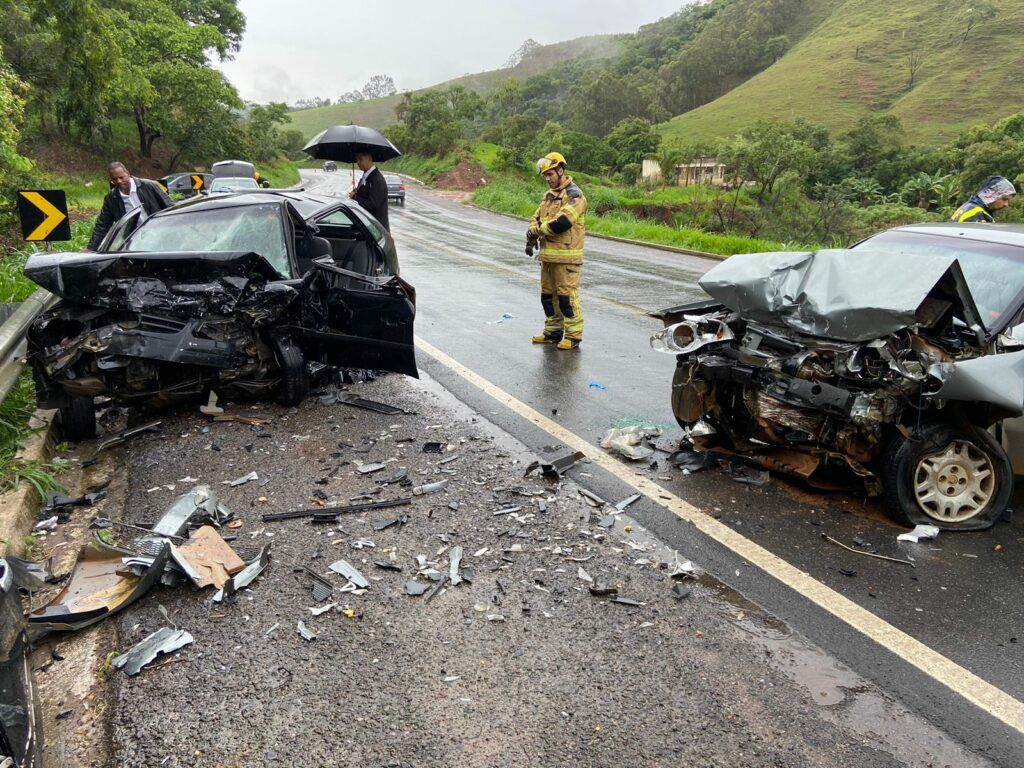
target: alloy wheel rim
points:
(954, 484)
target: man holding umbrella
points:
(372, 190)
(365, 146)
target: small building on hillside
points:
(705, 170)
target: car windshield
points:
(230, 185)
(994, 271)
(256, 228)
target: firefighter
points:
(558, 227)
(994, 194)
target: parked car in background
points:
(396, 187)
(232, 184)
(898, 363)
(330, 165)
(234, 169)
(244, 293)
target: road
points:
(961, 599)
(774, 659)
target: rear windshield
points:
(252, 228)
(392, 179)
(994, 271)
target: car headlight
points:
(690, 335)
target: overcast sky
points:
(306, 48)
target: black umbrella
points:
(343, 141)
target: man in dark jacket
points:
(372, 190)
(126, 193)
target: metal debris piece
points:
(347, 570)
(343, 398)
(608, 521)
(592, 498)
(165, 640)
(211, 408)
(28, 575)
(682, 569)
(363, 544)
(244, 577)
(252, 421)
(110, 442)
(454, 562)
(368, 469)
(423, 490)
(626, 601)
(416, 588)
(868, 554)
(554, 470)
(382, 525)
(582, 574)
(627, 501)
(449, 460)
(242, 480)
(506, 511)
(272, 517)
(495, 618)
(433, 447)
(387, 565)
(304, 632)
(401, 476)
(319, 611)
(206, 558)
(747, 475)
(680, 590)
(322, 588)
(437, 588)
(603, 590)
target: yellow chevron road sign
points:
(44, 215)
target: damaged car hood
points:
(842, 294)
(181, 283)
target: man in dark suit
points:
(372, 190)
(126, 193)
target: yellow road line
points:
(959, 680)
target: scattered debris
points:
(251, 421)
(343, 398)
(868, 554)
(416, 588)
(742, 473)
(629, 441)
(620, 506)
(382, 525)
(603, 590)
(242, 480)
(368, 469)
(504, 317)
(692, 461)
(925, 532)
(363, 544)
(583, 575)
(304, 632)
(206, 558)
(244, 577)
(387, 565)
(597, 385)
(454, 562)
(626, 601)
(322, 588)
(433, 447)
(211, 408)
(272, 517)
(555, 469)
(344, 568)
(161, 642)
(110, 442)
(423, 490)
(680, 590)
(592, 498)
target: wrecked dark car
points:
(20, 715)
(893, 365)
(241, 293)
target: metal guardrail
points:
(12, 337)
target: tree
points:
(582, 151)
(13, 166)
(914, 61)
(669, 160)
(435, 120)
(598, 103)
(765, 151)
(633, 139)
(973, 13)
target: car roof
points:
(306, 203)
(1000, 234)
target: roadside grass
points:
(281, 173)
(426, 169)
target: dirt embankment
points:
(464, 177)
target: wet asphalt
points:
(520, 665)
(962, 596)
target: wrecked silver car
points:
(892, 364)
(242, 293)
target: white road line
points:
(959, 680)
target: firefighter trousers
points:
(560, 296)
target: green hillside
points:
(381, 112)
(859, 60)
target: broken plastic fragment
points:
(366, 469)
(454, 561)
(555, 469)
(244, 577)
(925, 532)
(416, 588)
(163, 641)
(627, 501)
(363, 544)
(345, 569)
(680, 590)
(629, 441)
(423, 490)
(242, 480)
(304, 632)
(206, 558)
(211, 408)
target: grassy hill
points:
(381, 112)
(859, 61)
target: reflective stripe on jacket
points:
(559, 221)
(972, 210)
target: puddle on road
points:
(843, 697)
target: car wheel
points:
(78, 419)
(957, 478)
(294, 386)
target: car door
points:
(355, 312)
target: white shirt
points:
(366, 173)
(131, 200)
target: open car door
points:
(353, 320)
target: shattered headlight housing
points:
(690, 335)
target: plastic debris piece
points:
(454, 562)
(345, 569)
(322, 588)
(49, 524)
(206, 558)
(683, 569)
(163, 641)
(920, 532)
(244, 577)
(369, 469)
(304, 632)
(423, 490)
(597, 385)
(506, 511)
(272, 517)
(627, 501)
(608, 521)
(495, 618)
(626, 601)
(555, 469)
(693, 461)
(401, 476)
(582, 574)
(211, 408)
(381, 525)
(242, 480)
(416, 588)
(387, 565)
(433, 447)
(451, 678)
(110, 442)
(591, 498)
(504, 317)
(680, 590)
(320, 610)
(363, 544)
(741, 473)
(369, 405)
(437, 588)
(603, 590)
(629, 441)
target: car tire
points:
(294, 385)
(78, 419)
(956, 478)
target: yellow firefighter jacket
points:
(559, 222)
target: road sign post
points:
(44, 215)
